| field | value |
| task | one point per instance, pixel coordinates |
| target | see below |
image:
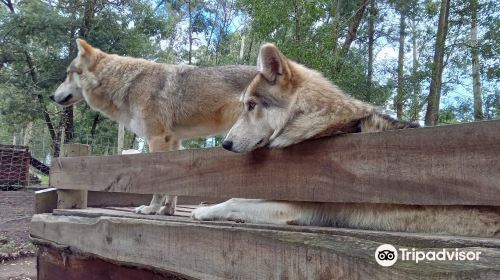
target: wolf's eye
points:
(251, 105)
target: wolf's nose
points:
(52, 98)
(227, 144)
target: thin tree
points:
(415, 103)
(371, 42)
(476, 82)
(190, 32)
(352, 31)
(401, 56)
(432, 113)
(353, 27)
(336, 25)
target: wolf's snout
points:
(227, 144)
(61, 101)
(67, 98)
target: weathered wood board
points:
(73, 198)
(456, 164)
(206, 250)
(53, 263)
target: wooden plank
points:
(72, 198)
(207, 251)
(403, 238)
(102, 199)
(55, 263)
(121, 138)
(447, 165)
(45, 200)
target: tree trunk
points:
(432, 113)
(415, 103)
(68, 119)
(297, 31)
(353, 28)
(476, 82)
(249, 52)
(190, 31)
(242, 50)
(371, 42)
(132, 143)
(28, 135)
(88, 16)
(336, 26)
(68, 124)
(9, 5)
(34, 78)
(351, 35)
(94, 125)
(400, 95)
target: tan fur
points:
(162, 103)
(292, 103)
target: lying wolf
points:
(162, 103)
(287, 103)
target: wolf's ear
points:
(271, 62)
(84, 48)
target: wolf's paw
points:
(203, 214)
(166, 210)
(146, 210)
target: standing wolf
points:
(287, 103)
(162, 103)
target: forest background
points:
(434, 62)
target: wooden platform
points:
(227, 250)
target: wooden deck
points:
(227, 250)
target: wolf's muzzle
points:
(227, 144)
(63, 101)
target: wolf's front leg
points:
(249, 211)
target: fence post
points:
(121, 138)
(73, 199)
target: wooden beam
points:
(102, 199)
(121, 138)
(57, 263)
(213, 251)
(45, 200)
(447, 165)
(72, 199)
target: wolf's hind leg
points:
(170, 202)
(153, 207)
(161, 204)
(168, 207)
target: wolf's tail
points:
(380, 122)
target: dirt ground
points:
(17, 259)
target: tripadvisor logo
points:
(387, 255)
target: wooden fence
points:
(448, 165)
